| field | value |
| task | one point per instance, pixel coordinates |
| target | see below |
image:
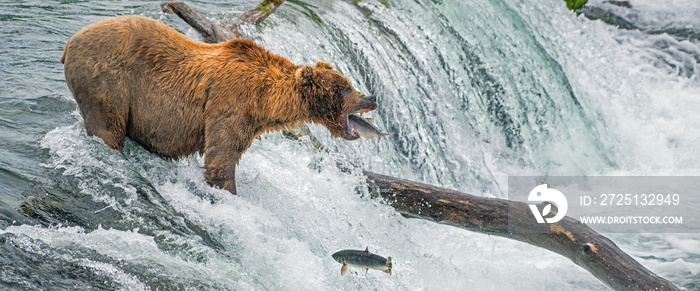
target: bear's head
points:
(330, 98)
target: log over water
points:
(568, 237)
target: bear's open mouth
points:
(367, 104)
(348, 133)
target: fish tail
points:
(388, 264)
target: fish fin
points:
(379, 138)
(343, 269)
(388, 271)
(367, 249)
(370, 119)
(366, 270)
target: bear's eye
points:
(347, 91)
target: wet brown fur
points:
(135, 77)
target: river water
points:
(472, 92)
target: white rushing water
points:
(472, 92)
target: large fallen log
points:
(568, 237)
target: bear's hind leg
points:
(104, 121)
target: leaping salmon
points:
(363, 260)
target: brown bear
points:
(135, 77)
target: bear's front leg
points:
(220, 171)
(225, 142)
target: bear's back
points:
(129, 76)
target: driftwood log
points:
(568, 237)
(211, 32)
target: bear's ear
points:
(304, 75)
(324, 65)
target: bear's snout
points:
(366, 104)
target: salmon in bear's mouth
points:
(367, 104)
